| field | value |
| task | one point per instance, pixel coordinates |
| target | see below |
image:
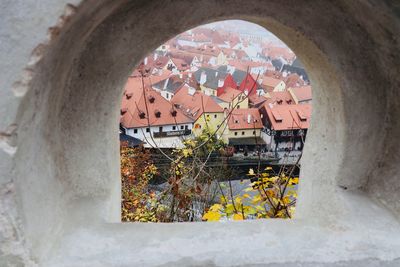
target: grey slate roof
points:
(294, 69)
(212, 77)
(172, 85)
(239, 75)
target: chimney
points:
(220, 83)
(248, 118)
(145, 61)
(203, 78)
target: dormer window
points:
(129, 95)
(173, 113)
(123, 111)
(157, 113)
(142, 115)
(151, 99)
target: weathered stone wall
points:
(63, 69)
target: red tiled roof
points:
(302, 93)
(280, 98)
(180, 64)
(289, 117)
(228, 94)
(133, 106)
(246, 118)
(270, 83)
(249, 84)
(293, 80)
(192, 104)
(256, 100)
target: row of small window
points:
(243, 133)
(160, 129)
(208, 116)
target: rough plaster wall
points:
(77, 78)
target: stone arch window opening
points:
(247, 93)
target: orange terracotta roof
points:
(246, 118)
(256, 100)
(229, 94)
(270, 83)
(180, 64)
(279, 98)
(160, 111)
(289, 117)
(302, 93)
(192, 102)
(294, 80)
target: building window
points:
(215, 116)
(167, 96)
(235, 133)
(135, 131)
(186, 127)
(173, 128)
(181, 127)
(147, 130)
(238, 107)
(160, 129)
(254, 132)
(242, 133)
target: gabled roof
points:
(293, 80)
(230, 81)
(302, 93)
(212, 77)
(289, 117)
(256, 100)
(194, 103)
(250, 85)
(171, 84)
(279, 98)
(294, 70)
(239, 75)
(228, 94)
(270, 83)
(160, 111)
(246, 118)
(180, 64)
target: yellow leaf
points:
(249, 210)
(229, 209)
(212, 216)
(238, 200)
(257, 199)
(223, 199)
(246, 196)
(248, 189)
(268, 168)
(237, 217)
(216, 207)
(286, 200)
